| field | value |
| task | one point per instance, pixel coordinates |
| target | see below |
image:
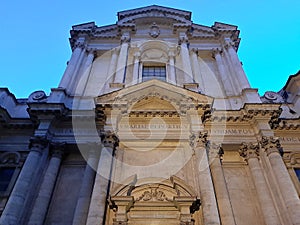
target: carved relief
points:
(153, 194)
(10, 158)
(154, 30)
(271, 144)
(249, 150)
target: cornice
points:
(286, 124)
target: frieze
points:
(289, 139)
(154, 126)
(230, 131)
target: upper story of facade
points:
(152, 42)
(161, 43)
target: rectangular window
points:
(154, 72)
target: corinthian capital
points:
(215, 150)
(216, 51)
(125, 38)
(198, 140)
(249, 150)
(109, 139)
(270, 144)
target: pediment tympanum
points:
(155, 90)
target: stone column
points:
(208, 200)
(80, 88)
(171, 73)
(185, 58)
(72, 64)
(136, 63)
(83, 202)
(240, 74)
(223, 199)
(251, 154)
(122, 60)
(98, 204)
(13, 210)
(228, 88)
(272, 146)
(196, 70)
(42, 201)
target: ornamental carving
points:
(153, 194)
(37, 96)
(109, 139)
(154, 30)
(249, 150)
(215, 150)
(271, 144)
(198, 139)
(10, 158)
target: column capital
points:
(57, 149)
(215, 150)
(198, 140)
(183, 39)
(271, 145)
(38, 143)
(125, 38)
(249, 150)
(79, 44)
(228, 44)
(92, 51)
(110, 139)
(195, 51)
(216, 51)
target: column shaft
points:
(171, 73)
(241, 76)
(65, 81)
(224, 205)
(263, 192)
(186, 63)
(13, 210)
(210, 211)
(196, 71)
(100, 190)
(81, 85)
(42, 201)
(83, 201)
(122, 63)
(135, 76)
(228, 88)
(286, 186)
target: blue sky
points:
(35, 46)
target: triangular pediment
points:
(154, 94)
(154, 11)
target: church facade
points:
(153, 122)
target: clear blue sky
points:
(35, 47)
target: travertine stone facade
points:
(153, 122)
